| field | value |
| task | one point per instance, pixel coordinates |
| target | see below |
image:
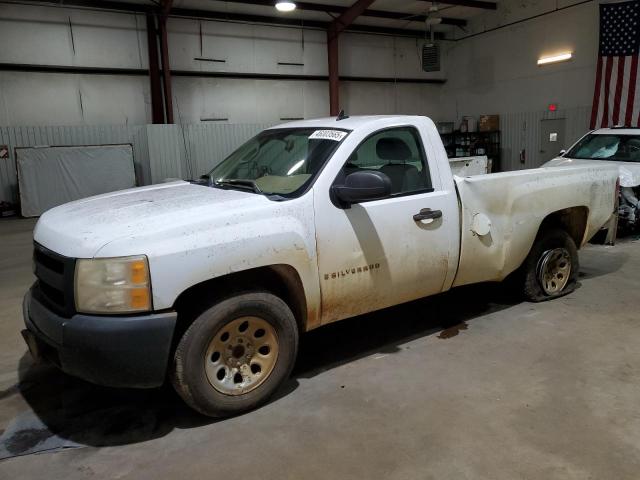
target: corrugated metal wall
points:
(160, 151)
(188, 151)
(521, 131)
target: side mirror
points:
(562, 152)
(362, 186)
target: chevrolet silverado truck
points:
(209, 283)
(619, 146)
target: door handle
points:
(427, 214)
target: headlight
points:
(113, 285)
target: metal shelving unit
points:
(469, 144)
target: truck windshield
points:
(619, 148)
(279, 162)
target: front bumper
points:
(115, 351)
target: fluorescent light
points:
(296, 167)
(283, 6)
(562, 57)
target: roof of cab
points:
(349, 123)
(617, 131)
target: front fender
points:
(284, 233)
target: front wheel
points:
(236, 354)
(551, 268)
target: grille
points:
(431, 57)
(55, 274)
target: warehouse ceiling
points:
(405, 14)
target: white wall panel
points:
(367, 98)
(245, 48)
(248, 101)
(110, 99)
(316, 99)
(420, 100)
(70, 99)
(35, 35)
(273, 45)
(109, 39)
(363, 98)
(314, 54)
(218, 41)
(366, 55)
(39, 99)
(42, 35)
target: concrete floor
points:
(467, 385)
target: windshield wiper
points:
(240, 182)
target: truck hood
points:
(629, 171)
(80, 229)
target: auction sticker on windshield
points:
(335, 135)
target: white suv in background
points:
(620, 145)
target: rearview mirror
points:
(362, 186)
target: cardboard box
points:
(489, 123)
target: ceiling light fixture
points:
(562, 57)
(284, 6)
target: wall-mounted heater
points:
(431, 49)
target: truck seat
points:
(404, 176)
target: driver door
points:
(374, 254)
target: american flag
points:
(616, 99)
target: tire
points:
(214, 366)
(551, 268)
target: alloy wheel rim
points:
(241, 355)
(554, 270)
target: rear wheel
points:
(551, 268)
(236, 354)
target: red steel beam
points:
(166, 68)
(334, 74)
(335, 28)
(157, 108)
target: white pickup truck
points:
(211, 282)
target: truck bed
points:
(512, 205)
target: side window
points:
(396, 152)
